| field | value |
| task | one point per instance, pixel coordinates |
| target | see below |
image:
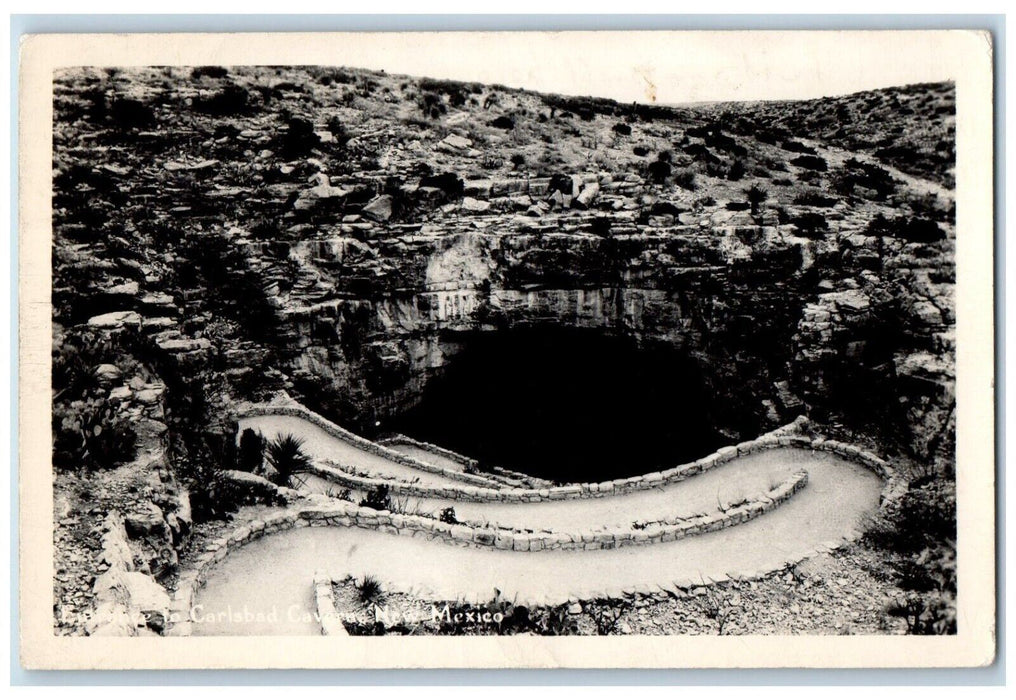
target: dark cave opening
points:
(566, 405)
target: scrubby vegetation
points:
(912, 128)
(919, 534)
(378, 498)
(286, 456)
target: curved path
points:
(319, 444)
(745, 477)
(274, 573)
(425, 455)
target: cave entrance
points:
(566, 405)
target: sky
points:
(667, 67)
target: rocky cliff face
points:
(753, 306)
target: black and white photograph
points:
(344, 350)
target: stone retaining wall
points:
(401, 439)
(292, 408)
(500, 474)
(338, 474)
(126, 600)
(342, 514)
(496, 492)
(324, 607)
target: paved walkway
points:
(321, 445)
(424, 455)
(274, 573)
(747, 477)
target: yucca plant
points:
(285, 454)
(369, 589)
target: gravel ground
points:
(831, 594)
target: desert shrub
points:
(810, 224)
(815, 163)
(685, 179)
(666, 209)
(857, 173)
(128, 113)
(338, 131)
(659, 171)
(736, 171)
(722, 142)
(810, 177)
(235, 290)
(560, 183)
(503, 122)
(369, 590)
(299, 138)
(518, 160)
(90, 435)
(756, 196)
(212, 497)
(75, 356)
(606, 613)
(378, 498)
(491, 161)
(714, 606)
(640, 151)
(928, 206)
(798, 147)
(923, 517)
(920, 530)
(622, 129)
(209, 72)
(231, 100)
(914, 230)
(783, 181)
(252, 451)
(432, 105)
(737, 206)
(285, 454)
(812, 198)
(448, 516)
(699, 152)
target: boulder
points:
(174, 166)
(179, 345)
(927, 313)
(477, 188)
(160, 302)
(106, 374)
(130, 289)
(457, 142)
(147, 521)
(116, 319)
(321, 191)
(587, 196)
(149, 395)
(474, 205)
(110, 619)
(119, 394)
(576, 185)
(379, 208)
